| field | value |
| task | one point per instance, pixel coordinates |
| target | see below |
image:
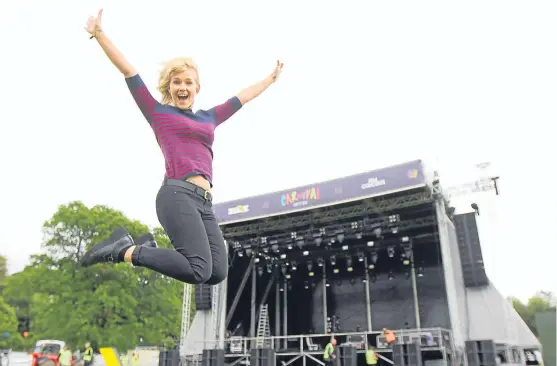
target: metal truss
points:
(326, 215)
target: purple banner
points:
(377, 182)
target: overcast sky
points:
(365, 85)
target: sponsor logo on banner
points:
(300, 198)
(373, 182)
(412, 173)
(238, 209)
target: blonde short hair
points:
(170, 68)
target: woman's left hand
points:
(277, 71)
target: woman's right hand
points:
(94, 24)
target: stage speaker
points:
(203, 295)
(481, 353)
(407, 354)
(262, 357)
(347, 356)
(169, 358)
(213, 357)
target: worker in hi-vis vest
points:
(371, 356)
(330, 351)
(88, 354)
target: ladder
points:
(263, 331)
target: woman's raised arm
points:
(94, 28)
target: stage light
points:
(327, 284)
(265, 250)
(288, 276)
(406, 262)
(420, 271)
(394, 230)
(306, 253)
(405, 239)
(359, 235)
(360, 257)
(349, 267)
(269, 268)
(293, 235)
(340, 238)
(320, 262)
(391, 275)
(293, 265)
(333, 260)
(289, 246)
(336, 270)
(364, 280)
(310, 266)
(374, 257)
(476, 208)
(394, 218)
(391, 251)
(257, 260)
(370, 243)
(281, 288)
(345, 247)
(260, 271)
(283, 256)
(240, 254)
(306, 285)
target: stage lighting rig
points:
(420, 271)
(361, 256)
(370, 244)
(333, 260)
(320, 262)
(294, 265)
(349, 267)
(391, 251)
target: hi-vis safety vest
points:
(65, 358)
(329, 350)
(88, 354)
(370, 357)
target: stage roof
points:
(374, 183)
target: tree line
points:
(107, 305)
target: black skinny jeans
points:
(188, 219)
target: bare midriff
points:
(200, 181)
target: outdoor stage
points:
(349, 256)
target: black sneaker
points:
(146, 240)
(107, 250)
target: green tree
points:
(107, 305)
(3, 269)
(540, 302)
(8, 324)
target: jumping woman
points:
(184, 201)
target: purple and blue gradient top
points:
(185, 138)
